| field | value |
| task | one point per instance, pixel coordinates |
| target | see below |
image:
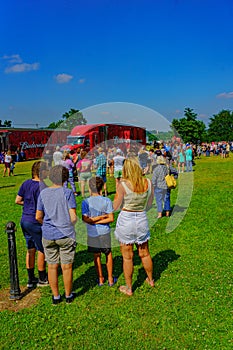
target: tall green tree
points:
(221, 126)
(151, 137)
(69, 120)
(189, 128)
(7, 123)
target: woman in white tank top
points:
(134, 194)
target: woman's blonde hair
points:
(133, 172)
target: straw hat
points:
(161, 160)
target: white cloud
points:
(63, 78)
(12, 58)
(22, 67)
(225, 95)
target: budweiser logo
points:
(25, 145)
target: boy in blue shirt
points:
(97, 213)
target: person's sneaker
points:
(43, 283)
(71, 298)
(32, 283)
(56, 301)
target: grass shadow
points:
(6, 186)
(177, 209)
(88, 279)
(160, 264)
(82, 257)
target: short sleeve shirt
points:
(55, 203)
(101, 163)
(29, 191)
(95, 206)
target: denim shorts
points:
(59, 250)
(33, 235)
(85, 176)
(132, 227)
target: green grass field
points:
(190, 306)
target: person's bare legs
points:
(127, 254)
(30, 258)
(53, 278)
(98, 267)
(109, 266)
(82, 187)
(67, 272)
(105, 189)
(144, 254)
(41, 261)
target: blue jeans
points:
(167, 203)
(162, 196)
(189, 165)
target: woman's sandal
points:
(150, 282)
(126, 290)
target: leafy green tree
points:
(69, 120)
(151, 136)
(189, 128)
(7, 123)
(221, 126)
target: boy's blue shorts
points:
(33, 235)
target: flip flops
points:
(126, 290)
(150, 282)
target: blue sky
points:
(162, 54)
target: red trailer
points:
(30, 142)
(107, 135)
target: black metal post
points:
(14, 277)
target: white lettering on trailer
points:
(26, 145)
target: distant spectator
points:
(143, 159)
(189, 158)
(118, 165)
(160, 186)
(84, 170)
(48, 158)
(101, 164)
(57, 156)
(67, 163)
(7, 162)
(181, 160)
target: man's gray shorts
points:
(59, 250)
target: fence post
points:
(14, 277)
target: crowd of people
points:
(49, 213)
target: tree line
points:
(188, 128)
